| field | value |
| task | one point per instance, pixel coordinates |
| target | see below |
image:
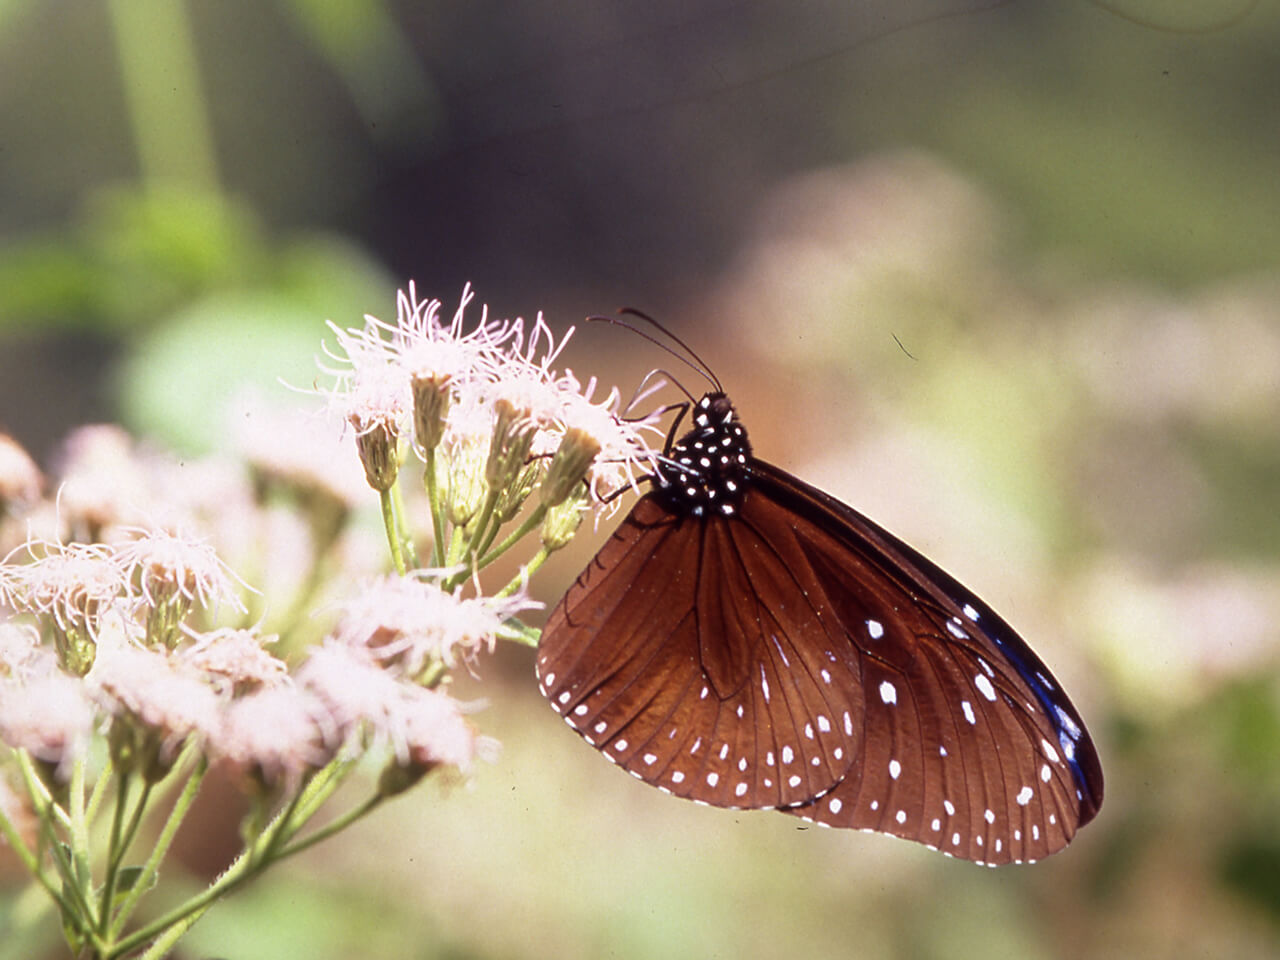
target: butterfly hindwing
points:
(963, 752)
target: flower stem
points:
(268, 848)
(336, 825)
(79, 824)
(437, 510)
(393, 534)
(114, 855)
(46, 807)
(101, 783)
(167, 833)
(526, 571)
(405, 536)
(531, 522)
(480, 530)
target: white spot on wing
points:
(984, 687)
(781, 652)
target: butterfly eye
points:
(747, 641)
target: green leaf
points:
(128, 878)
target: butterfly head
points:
(706, 471)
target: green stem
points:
(406, 538)
(268, 848)
(321, 787)
(79, 832)
(135, 821)
(526, 572)
(77, 908)
(334, 826)
(31, 861)
(114, 854)
(531, 522)
(393, 534)
(474, 543)
(284, 828)
(115, 857)
(437, 511)
(178, 920)
(161, 848)
(28, 857)
(100, 786)
(517, 632)
(46, 806)
(481, 528)
(456, 542)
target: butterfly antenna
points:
(702, 366)
(699, 367)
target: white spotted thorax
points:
(706, 471)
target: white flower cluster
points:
(471, 390)
(222, 687)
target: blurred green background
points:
(1006, 276)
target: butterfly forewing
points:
(639, 670)
(745, 640)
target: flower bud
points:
(513, 432)
(431, 401)
(466, 489)
(562, 520)
(517, 492)
(380, 456)
(569, 465)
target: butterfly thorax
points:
(706, 471)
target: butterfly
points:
(745, 640)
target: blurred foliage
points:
(1013, 269)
